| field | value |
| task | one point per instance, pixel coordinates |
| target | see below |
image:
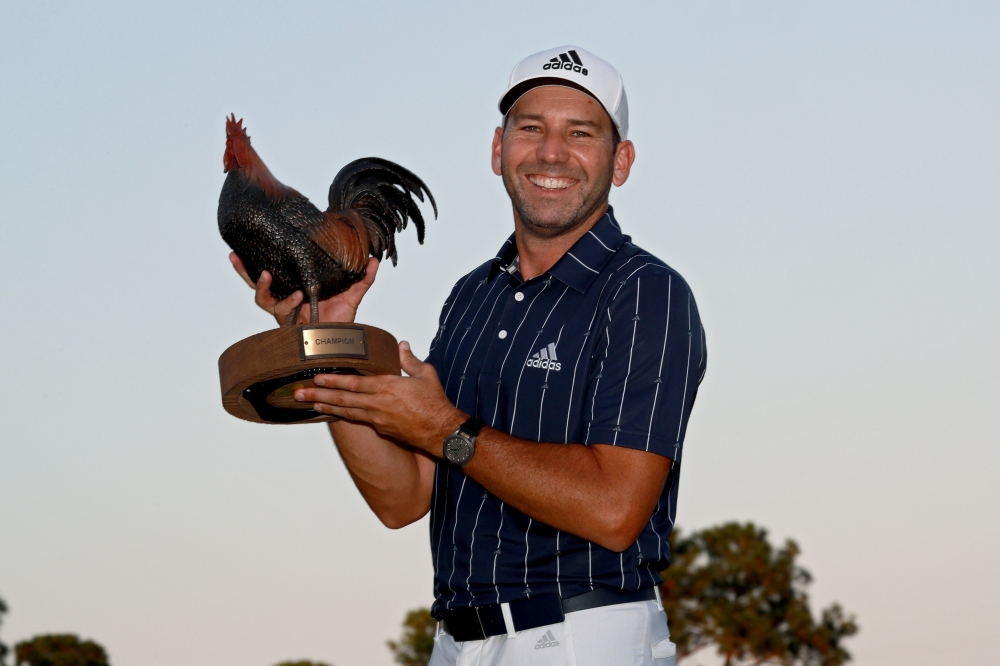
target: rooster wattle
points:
(272, 227)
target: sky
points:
(824, 175)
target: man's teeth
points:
(550, 183)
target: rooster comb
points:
(235, 127)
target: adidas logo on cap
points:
(546, 641)
(545, 359)
(568, 60)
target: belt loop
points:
(508, 620)
(482, 629)
(438, 632)
(659, 599)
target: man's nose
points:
(553, 149)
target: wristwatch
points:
(460, 445)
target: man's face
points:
(557, 159)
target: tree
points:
(728, 586)
(3, 648)
(417, 642)
(59, 650)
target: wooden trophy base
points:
(259, 375)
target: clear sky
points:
(825, 175)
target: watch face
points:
(457, 450)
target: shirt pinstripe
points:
(605, 348)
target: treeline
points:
(727, 587)
(56, 650)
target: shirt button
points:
(502, 334)
(519, 296)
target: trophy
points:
(272, 227)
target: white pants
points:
(633, 634)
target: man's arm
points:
(601, 493)
(395, 480)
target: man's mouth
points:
(549, 183)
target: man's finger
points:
(410, 363)
(357, 291)
(282, 309)
(334, 397)
(263, 296)
(349, 413)
(241, 269)
(352, 383)
(370, 272)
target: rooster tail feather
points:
(381, 193)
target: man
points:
(544, 430)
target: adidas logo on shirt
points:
(569, 60)
(545, 359)
(546, 641)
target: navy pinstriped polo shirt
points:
(605, 348)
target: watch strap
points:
(472, 427)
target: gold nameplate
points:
(326, 340)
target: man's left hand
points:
(413, 410)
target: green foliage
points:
(3, 648)
(728, 586)
(302, 663)
(59, 650)
(417, 642)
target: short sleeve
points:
(650, 359)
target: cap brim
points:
(515, 93)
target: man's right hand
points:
(340, 308)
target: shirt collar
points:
(582, 263)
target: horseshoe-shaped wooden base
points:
(259, 375)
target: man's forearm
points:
(601, 493)
(395, 481)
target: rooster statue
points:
(272, 227)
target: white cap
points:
(572, 67)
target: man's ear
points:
(497, 150)
(624, 157)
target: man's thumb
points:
(410, 363)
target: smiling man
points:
(544, 431)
